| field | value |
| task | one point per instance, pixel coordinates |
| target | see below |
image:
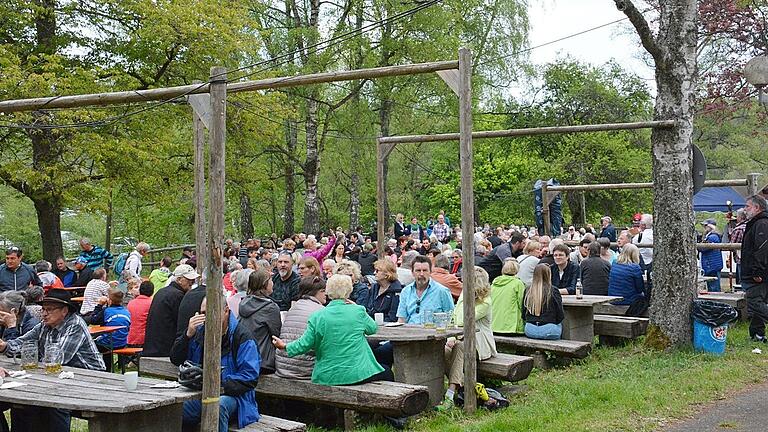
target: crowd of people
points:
(301, 307)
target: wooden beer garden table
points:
(418, 353)
(102, 399)
(579, 322)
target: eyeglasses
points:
(418, 305)
(13, 249)
(53, 308)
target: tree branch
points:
(649, 41)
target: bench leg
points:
(166, 418)
(350, 420)
(540, 360)
(422, 364)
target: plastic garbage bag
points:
(714, 313)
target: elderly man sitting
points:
(63, 327)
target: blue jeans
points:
(193, 410)
(546, 331)
(713, 285)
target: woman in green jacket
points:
(337, 335)
(507, 292)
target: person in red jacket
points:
(139, 309)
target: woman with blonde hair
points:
(308, 266)
(528, 261)
(626, 280)
(485, 344)
(543, 306)
(507, 292)
(360, 291)
(385, 294)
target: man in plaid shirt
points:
(62, 326)
(737, 236)
(441, 230)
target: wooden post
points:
(545, 207)
(467, 226)
(213, 316)
(381, 189)
(752, 186)
(201, 245)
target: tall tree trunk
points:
(108, 228)
(674, 262)
(246, 216)
(354, 187)
(48, 211)
(311, 171)
(574, 204)
(289, 219)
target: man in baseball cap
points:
(84, 273)
(164, 312)
(711, 259)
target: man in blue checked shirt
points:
(423, 294)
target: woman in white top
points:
(528, 261)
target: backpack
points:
(120, 263)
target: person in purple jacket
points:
(310, 248)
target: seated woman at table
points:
(311, 299)
(337, 335)
(14, 317)
(384, 296)
(507, 293)
(543, 306)
(484, 342)
(626, 280)
(564, 272)
(360, 291)
(528, 261)
(261, 316)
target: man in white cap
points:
(164, 312)
(711, 259)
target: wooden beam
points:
(665, 124)
(752, 186)
(545, 207)
(201, 245)
(170, 93)
(213, 294)
(467, 225)
(381, 190)
(591, 187)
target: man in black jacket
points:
(164, 312)
(754, 265)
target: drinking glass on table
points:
(52, 358)
(427, 318)
(29, 355)
(441, 320)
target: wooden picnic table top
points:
(77, 299)
(69, 288)
(99, 329)
(707, 295)
(588, 300)
(90, 391)
(412, 333)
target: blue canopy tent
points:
(713, 199)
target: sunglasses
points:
(418, 305)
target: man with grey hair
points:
(404, 274)
(608, 230)
(754, 265)
(95, 256)
(133, 263)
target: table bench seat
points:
(620, 326)
(560, 348)
(383, 397)
(508, 367)
(271, 424)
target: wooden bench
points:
(560, 348)
(126, 355)
(271, 424)
(620, 326)
(507, 367)
(735, 299)
(382, 397)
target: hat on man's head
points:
(81, 260)
(59, 297)
(185, 271)
(188, 248)
(709, 221)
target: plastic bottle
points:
(579, 289)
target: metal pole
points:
(213, 316)
(467, 226)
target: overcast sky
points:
(554, 19)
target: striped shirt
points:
(97, 257)
(96, 288)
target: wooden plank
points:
(562, 347)
(578, 323)
(421, 364)
(508, 367)
(625, 327)
(412, 333)
(588, 300)
(611, 309)
(391, 398)
(167, 418)
(451, 79)
(271, 424)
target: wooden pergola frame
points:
(212, 115)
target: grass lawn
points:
(616, 389)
